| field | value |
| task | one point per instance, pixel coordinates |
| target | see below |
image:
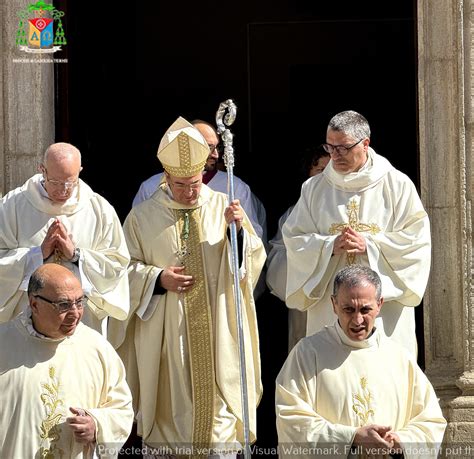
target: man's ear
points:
(333, 301)
(33, 305)
(379, 304)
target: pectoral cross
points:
(352, 210)
(183, 251)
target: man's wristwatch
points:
(76, 256)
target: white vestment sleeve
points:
(34, 259)
(105, 268)
(421, 437)
(276, 261)
(311, 265)
(114, 415)
(13, 266)
(402, 256)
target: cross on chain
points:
(183, 250)
(352, 209)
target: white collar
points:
(35, 193)
(27, 321)
(371, 341)
(375, 169)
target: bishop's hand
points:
(173, 279)
(234, 213)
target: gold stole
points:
(199, 328)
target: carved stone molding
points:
(445, 66)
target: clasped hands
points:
(58, 239)
(377, 440)
(349, 241)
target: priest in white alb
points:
(360, 209)
(63, 392)
(55, 217)
(349, 391)
(181, 345)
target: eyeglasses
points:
(213, 147)
(57, 183)
(341, 149)
(182, 186)
(65, 306)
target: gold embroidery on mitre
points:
(352, 210)
(362, 403)
(50, 432)
(199, 330)
(185, 168)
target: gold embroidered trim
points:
(49, 427)
(185, 169)
(199, 329)
(352, 210)
(362, 403)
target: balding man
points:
(62, 386)
(56, 218)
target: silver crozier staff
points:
(223, 120)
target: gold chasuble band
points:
(199, 330)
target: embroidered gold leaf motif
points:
(362, 403)
(50, 432)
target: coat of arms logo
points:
(35, 32)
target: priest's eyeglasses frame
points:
(64, 306)
(341, 149)
(58, 183)
(213, 147)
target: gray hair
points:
(358, 275)
(36, 283)
(350, 123)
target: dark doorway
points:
(289, 66)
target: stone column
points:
(446, 153)
(27, 101)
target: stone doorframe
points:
(445, 68)
(26, 104)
